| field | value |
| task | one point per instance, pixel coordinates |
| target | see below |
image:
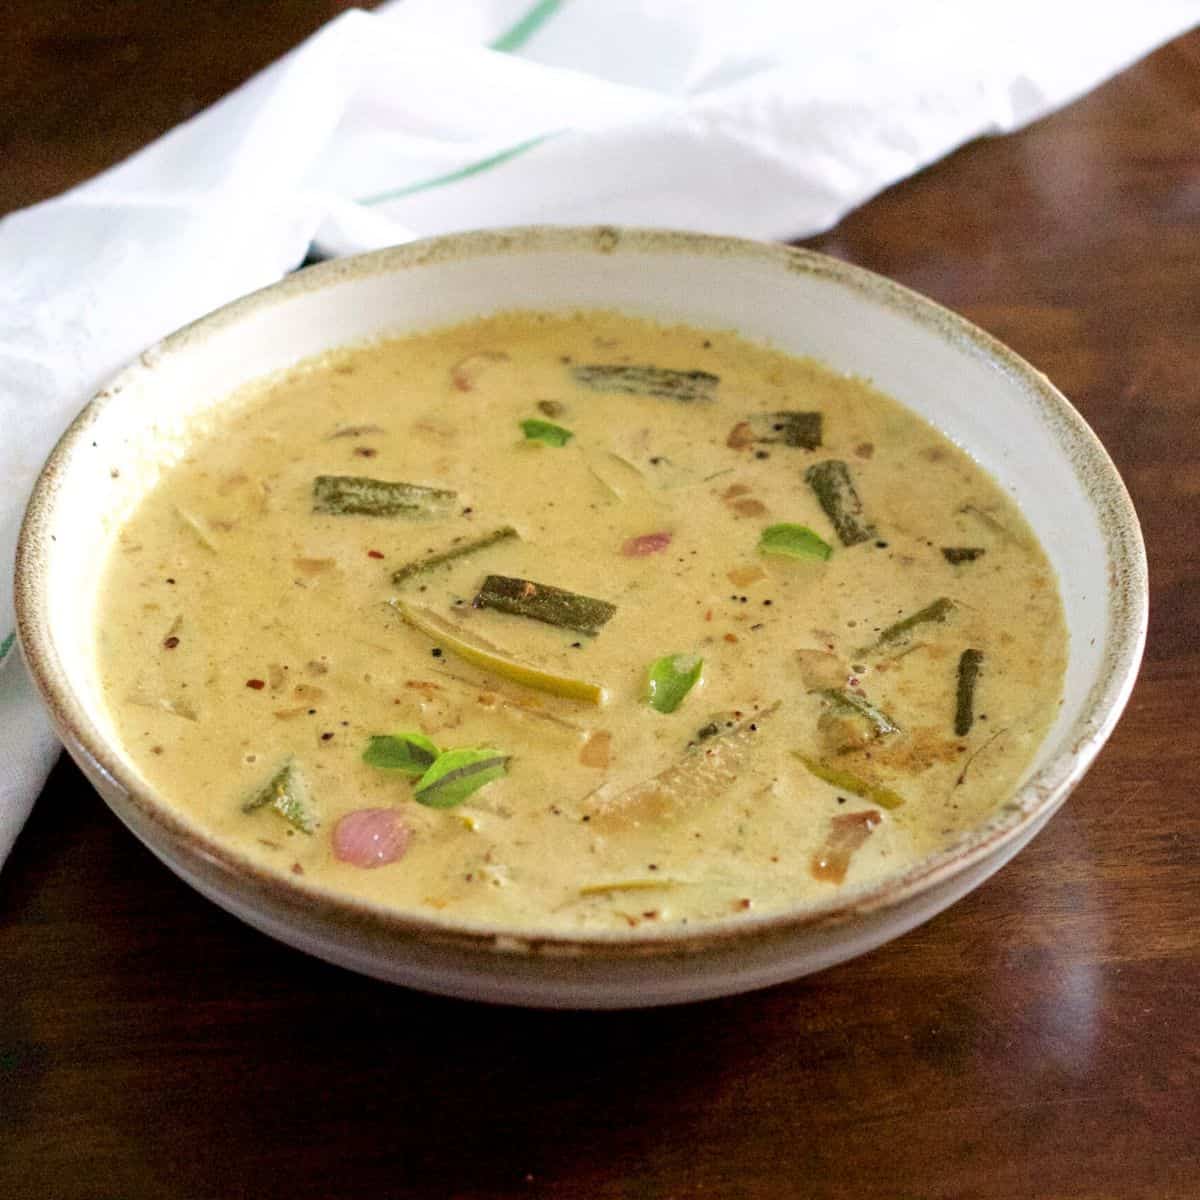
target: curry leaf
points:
(457, 774)
(410, 753)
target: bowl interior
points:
(976, 392)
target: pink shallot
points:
(371, 837)
(647, 543)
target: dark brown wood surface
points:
(1041, 1039)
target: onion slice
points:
(371, 837)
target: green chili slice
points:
(670, 679)
(793, 541)
(488, 658)
(545, 432)
(847, 781)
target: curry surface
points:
(238, 629)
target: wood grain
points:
(1041, 1039)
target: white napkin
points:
(759, 118)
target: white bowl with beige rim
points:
(970, 387)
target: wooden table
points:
(1041, 1039)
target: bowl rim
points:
(1033, 802)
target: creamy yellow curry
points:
(578, 622)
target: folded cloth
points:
(758, 118)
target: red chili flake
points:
(465, 373)
(256, 684)
(374, 554)
(731, 637)
(646, 543)
(422, 685)
(748, 507)
(740, 436)
(170, 643)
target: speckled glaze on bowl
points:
(1006, 414)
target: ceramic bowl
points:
(985, 398)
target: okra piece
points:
(936, 612)
(851, 722)
(541, 602)
(688, 387)
(847, 781)
(287, 793)
(962, 554)
(969, 663)
(420, 565)
(342, 495)
(834, 488)
(791, 428)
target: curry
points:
(577, 621)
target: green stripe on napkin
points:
(521, 30)
(483, 164)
